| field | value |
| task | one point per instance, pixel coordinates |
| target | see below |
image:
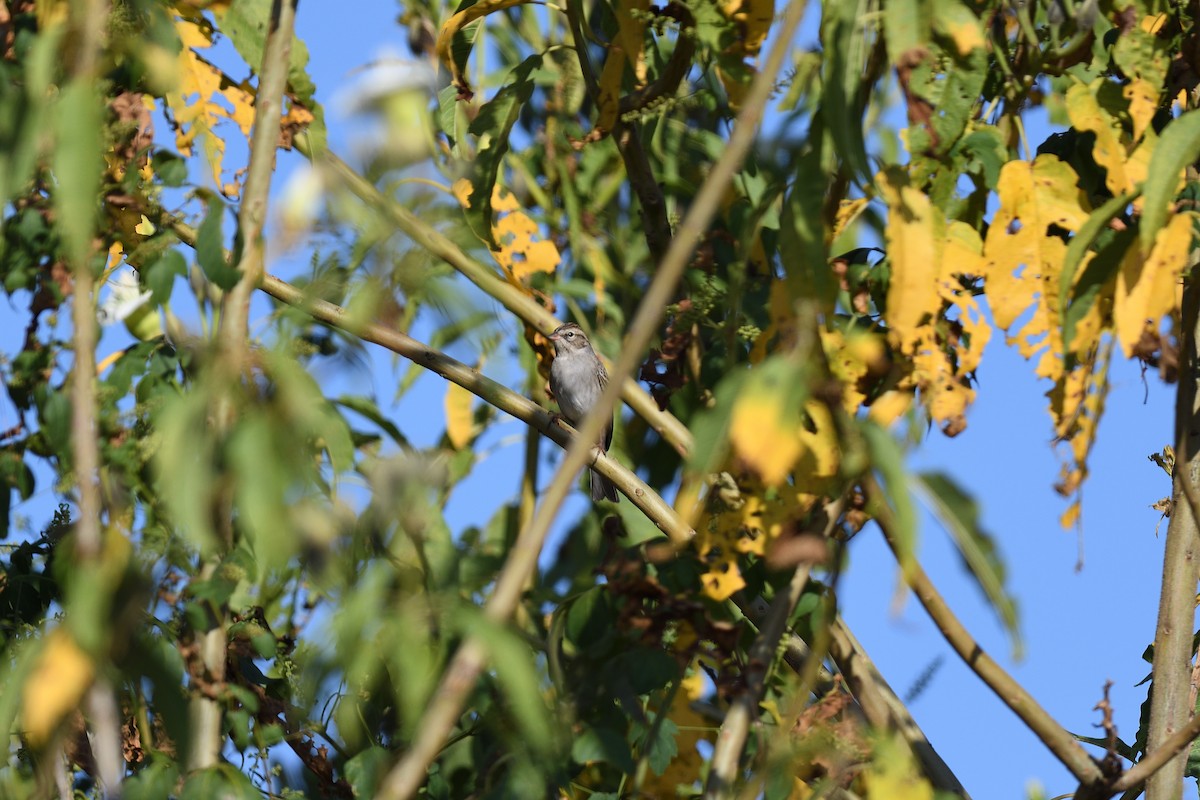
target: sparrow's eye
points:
(570, 334)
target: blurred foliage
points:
(892, 217)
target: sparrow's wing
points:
(602, 379)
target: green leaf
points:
(224, 781)
(492, 128)
(152, 782)
(170, 168)
(888, 459)
(802, 247)
(711, 426)
(159, 277)
(959, 514)
(645, 668)
(662, 749)
(602, 745)
(1083, 239)
(844, 37)
(1099, 271)
(589, 617)
(1178, 147)
(246, 23)
(77, 165)
(365, 769)
(519, 677)
(210, 247)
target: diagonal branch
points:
(884, 709)
(1011, 693)
(503, 398)
(439, 719)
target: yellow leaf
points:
(1087, 115)
(915, 234)
(631, 33)
(1143, 105)
(763, 434)
(889, 407)
(892, 775)
(966, 35)
(608, 93)
(819, 454)
(848, 211)
(452, 26)
(723, 579)
(194, 104)
(1021, 259)
(753, 19)
(61, 675)
(1147, 290)
(145, 227)
(462, 190)
(460, 427)
(503, 200)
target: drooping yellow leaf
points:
(915, 235)
(1022, 262)
(61, 675)
(1147, 289)
(145, 227)
(193, 102)
(460, 426)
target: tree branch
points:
(1012, 694)
(268, 108)
(409, 773)
(503, 398)
(509, 296)
(234, 334)
(883, 709)
(731, 740)
(1154, 761)
(1169, 706)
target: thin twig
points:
(104, 717)
(522, 305)
(731, 740)
(1011, 693)
(503, 398)
(439, 719)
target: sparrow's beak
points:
(554, 337)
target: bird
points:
(577, 379)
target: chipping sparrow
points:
(578, 378)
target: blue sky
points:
(1080, 628)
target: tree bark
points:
(1170, 706)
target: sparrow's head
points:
(569, 338)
